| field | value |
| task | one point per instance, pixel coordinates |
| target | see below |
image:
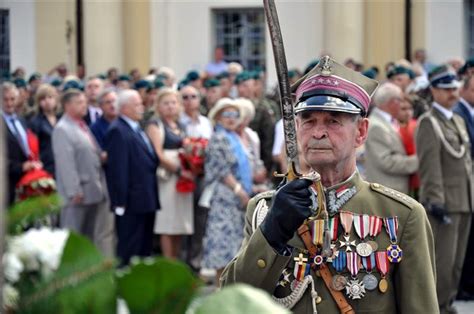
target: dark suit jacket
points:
(466, 115)
(15, 159)
(40, 125)
(130, 170)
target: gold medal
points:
(383, 285)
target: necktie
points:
(23, 144)
(144, 139)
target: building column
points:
(136, 34)
(384, 33)
(343, 29)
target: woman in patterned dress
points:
(228, 169)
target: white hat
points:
(220, 105)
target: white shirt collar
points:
(385, 115)
(133, 124)
(467, 105)
(448, 114)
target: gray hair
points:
(124, 98)
(385, 93)
(7, 86)
(104, 93)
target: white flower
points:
(10, 296)
(12, 267)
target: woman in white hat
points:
(228, 169)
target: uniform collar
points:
(448, 114)
(338, 195)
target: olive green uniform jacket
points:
(411, 283)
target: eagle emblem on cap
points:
(326, 64)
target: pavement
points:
(465, 307)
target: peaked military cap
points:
(443, 76)
(330, 86)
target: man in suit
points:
(446, 178)
(18, 150)
(79, 175)
(131, 176)
(465, 108)
(94, 87)
(386, 159)
(107, 101)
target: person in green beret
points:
(213, 94)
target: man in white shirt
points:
(196, 125)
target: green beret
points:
(34, 76)
(158, 83)
(224, 74)
(212, 83)
(56, 82)
(192, 76)
(142, 84)
(370, 73)
(72, 84)
(19, 83)
(183, 83)
(124, 77)
(242, 77)
(398, 69)
(101, 76)
(311, 65)
(291, 74)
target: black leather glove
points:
(438, 212)
(291, 206)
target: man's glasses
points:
(230, 114)
(186, 97)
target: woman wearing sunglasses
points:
(227, 168)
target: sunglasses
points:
(186, 97)
(230, 114)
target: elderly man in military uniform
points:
(446, 178)
(372, 253)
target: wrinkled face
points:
(9, 101)
(190, 98)
(49, 103)
(229, 118)
(168, 106)
(401, 80)
(446, 97)
(213, 94)
(329, 138)
(77, 106)
(108, 105)
(406, 111)
(93, 89)
(134, 108)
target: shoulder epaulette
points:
(393, 194)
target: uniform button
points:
(261, 263)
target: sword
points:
(286, 105)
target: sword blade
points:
(286, 105)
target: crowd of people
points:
(135, 156)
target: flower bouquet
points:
(191, 157)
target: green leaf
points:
(83, 283)
(237, 299)
(31, 210)
(157, 285)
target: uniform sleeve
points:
(66, 171)
(257, 263)
(428, 149)
(379, 143)
(415, 277)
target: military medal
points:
(339, 263)
(361, 226)
(333, 226)
(346, 222)
(301, 267)
(284, 278)
(382, 266)
(355, 289)
(375, 226)
(394, 252)
(369, 280)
